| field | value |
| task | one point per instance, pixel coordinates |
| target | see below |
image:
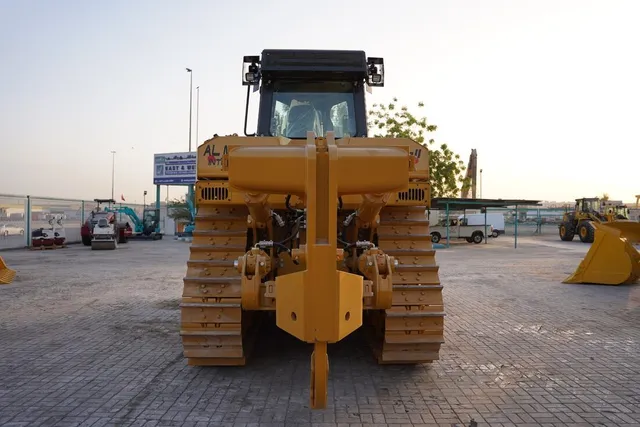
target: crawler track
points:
(216, 331)
(214, 328)
(412, 331)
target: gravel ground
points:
(91, 338)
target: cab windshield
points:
(299, 107)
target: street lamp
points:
(480, 184)
(197, 112)
(144, 199)
(190, 102)
(113, 172)
(190, 187)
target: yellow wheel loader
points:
(588, 211)
(311, 219)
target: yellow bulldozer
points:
(313, 223)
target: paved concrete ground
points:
(90, 338)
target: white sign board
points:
(174, 168)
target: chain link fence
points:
(20, 214)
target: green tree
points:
(605, 197)
(178, 209)
(445, 167)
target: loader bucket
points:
(6, 274)
(612, 258)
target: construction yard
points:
(91, 338)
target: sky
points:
(548, 92)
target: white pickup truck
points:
(458, 229)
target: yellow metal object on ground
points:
(612, 259)
(6, 274)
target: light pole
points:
(144, 199)
(197, 112)
(190, 102)
(190, 187)
(113, 172)
(480, 184)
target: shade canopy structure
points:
(449, 203)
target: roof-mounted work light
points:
(251, 71)
(375, 72)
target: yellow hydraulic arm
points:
(319, 304)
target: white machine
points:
(57, 229)
(104, 236)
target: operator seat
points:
(102, 223)
(300, 120)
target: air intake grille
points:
(214, 193)
(414, 194)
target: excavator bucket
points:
(6, 274)
(612, 258)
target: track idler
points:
(612, 258)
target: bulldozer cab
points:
(308, 90)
